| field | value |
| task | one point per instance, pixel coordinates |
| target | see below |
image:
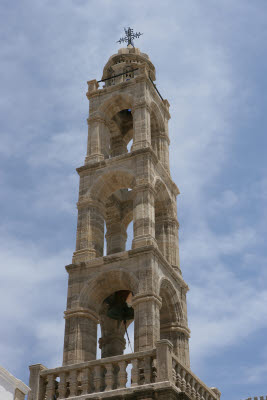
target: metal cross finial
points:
(129, 36)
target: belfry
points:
(125, 178)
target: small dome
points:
(127, 58)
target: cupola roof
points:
(126, 58)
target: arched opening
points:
(173, 324)
(119, 214)
(111, 134)
(166, 225)
(109, 295)
(159, 136)
(121, 132)
(115, 191)
(155, 132)
(116, 314)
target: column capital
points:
(140, 104)
(81, 312)
(146, 297)
(143, 187)
(90, 202)
(97, 118)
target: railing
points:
(157, 366)
(97, 376)
(187, 382)
(257, 398)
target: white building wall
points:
(9, 384)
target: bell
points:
(120, 305)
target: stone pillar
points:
(163, 151)
(80, 336)
(98, 140)
(19, 395)
(90, 232)
(35, 381)
(117, 146)
(179, 337)
(112, 342)
(116, 233)
(167, 238)
(164, 360)
(141, 126)
(146, 321)
(143, 217)
(116, 238)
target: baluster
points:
(178, 376)
(109, 377)
(97, 378)
(197, 386)
(174, 371)
(141, 372)
(62, 386)
(135, 373)
(201, 393)
(85, 381)
(73, 383)
(193, 390)
(183, 382)
(147, 370)
(50, 387)
(188, 386)
(154, 370)
(122, 374)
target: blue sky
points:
(210, 59)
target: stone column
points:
(117, 146)
(167, 238)
(143, 217)
(98, 140)
(141, 126)
(163, 150)
(90, 231)
(179, 337)
(146, 321)
(116, 238)
(35, 381)
(80, 336)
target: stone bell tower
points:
(125, 177)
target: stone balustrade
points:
(151, 368)
(97, 376)
(257, 398)
(189, 383)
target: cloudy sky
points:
(210, 58)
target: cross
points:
(129, 36)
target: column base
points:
(83, 255)
(140, 145)
(146, 240)
(94, 158)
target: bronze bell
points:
(120, 305)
